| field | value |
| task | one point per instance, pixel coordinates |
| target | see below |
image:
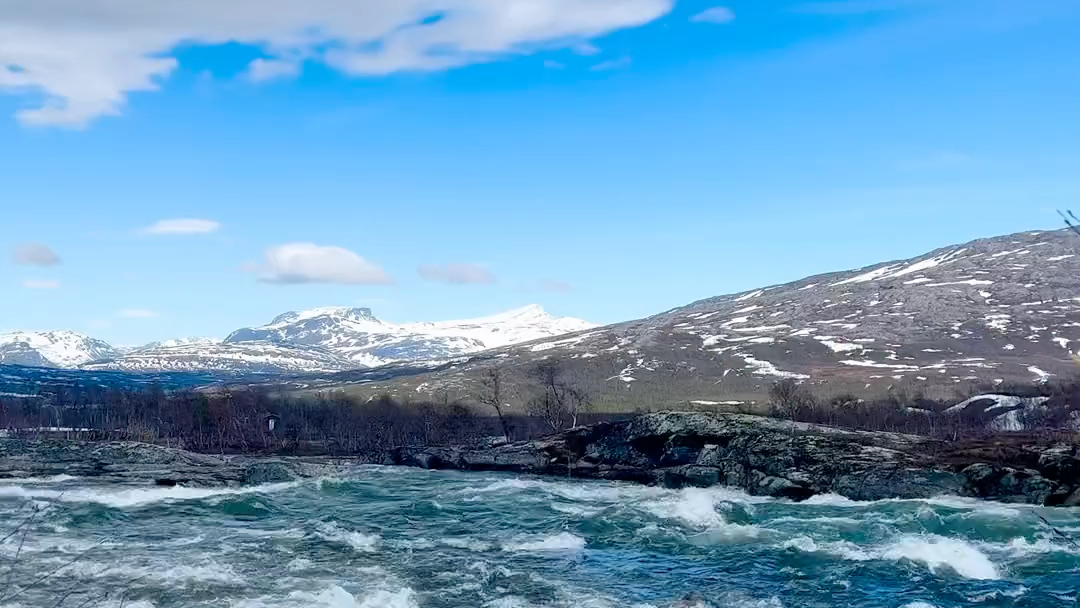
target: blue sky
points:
(608, 159)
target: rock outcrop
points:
(772, 457)
(142, 463)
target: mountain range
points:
(985, 313)
(310, 341)
(976, 315)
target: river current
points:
(383, 537)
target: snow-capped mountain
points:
(171, 344)
(52, 349)
(964, 317)
(336, 339)
(356, 334)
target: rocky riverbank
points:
(148, 464)
(776, 458)
(763, 456)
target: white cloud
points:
(457, 274)
(34, 254)
(553, 65)
(716, 14)
(182, 226)
(614, 64)
(41, 284)
(137, 313)
(85, 56)
(262, 70)
(309, 263)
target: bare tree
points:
(790, 399)
(492, 395)
(559, 398)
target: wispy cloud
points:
(456, 274)
(553, 65)
(34, 254)
(614, 64)
(586, 49)
(295, 263)
(262, 70)
(716, 14)
(182, 226)
(83, 57)
(41, 284)
(137, 313)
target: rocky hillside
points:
(992, 311)
(245, 358)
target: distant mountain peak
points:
(341, 312)
(60, 348)
(358, 335)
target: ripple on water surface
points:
(391, 537)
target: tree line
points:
(255, 419)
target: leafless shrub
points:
(557, 398)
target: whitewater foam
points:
(936, 552)
(699, 509)
(564, 541)
(137, 497)
(939, 552)
(37, 480)
(336, 597)
(364, 543)
(470, 544)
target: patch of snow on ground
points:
(881, 365)
(967, 282)
(836, 346)
(764, 368)
(1058, 258)
(895, 271)
(1040, 375)
(1000, 401)
(1062, 342)
(750, 295)
(761, 328)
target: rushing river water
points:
(396, 538)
